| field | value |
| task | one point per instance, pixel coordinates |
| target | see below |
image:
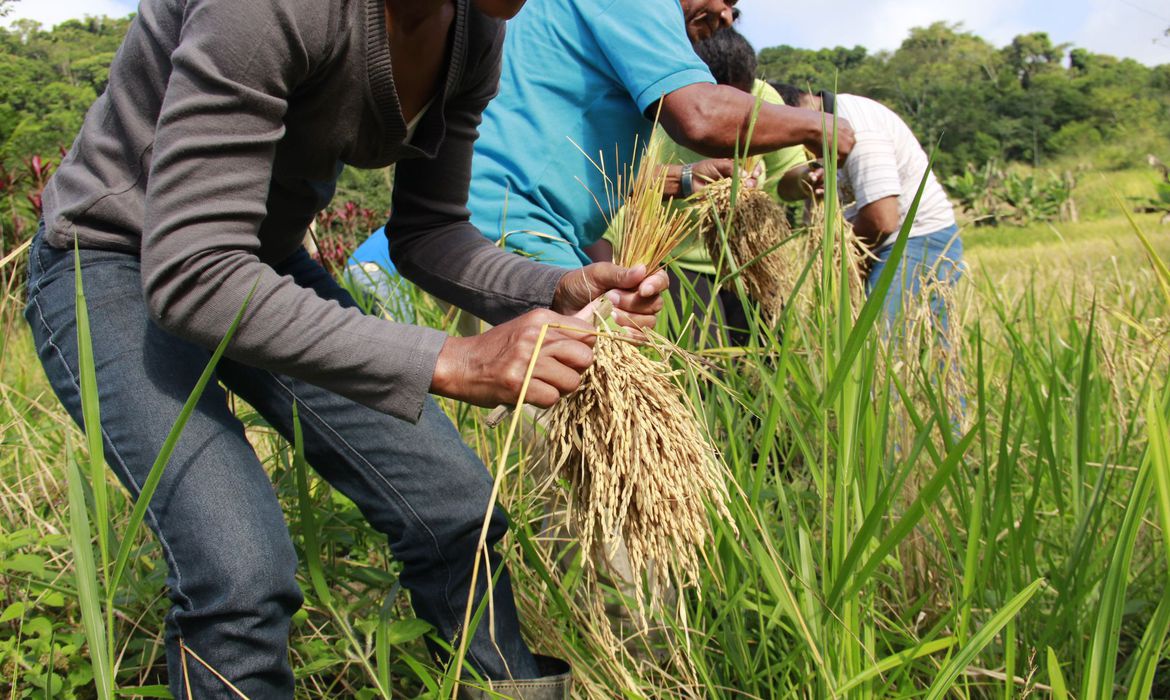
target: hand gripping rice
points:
(637, 459)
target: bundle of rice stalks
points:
(756, 230)
(639, 463)
(640, 468)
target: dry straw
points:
(641, 470)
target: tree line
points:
(1031, 101)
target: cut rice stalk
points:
(755, 242)
(640, 467)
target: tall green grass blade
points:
(91, 414)
(146, 691)
(972, 554)
(1102, 661)
(88, 595)
(1149, 651)
(846, 587)
(896, 660)
(91, 418)
(381, 638)
(1009, 659)
(1084, 397)
(312, 543)
(1056, 677)
(1161, 270)
(1159, 432)
(425, 675)
(878, 513)
(168, 447)
(945, 679)
(308, 518)
(872, 308)
(777, 584)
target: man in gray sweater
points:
(188, 191)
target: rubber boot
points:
(556, 683)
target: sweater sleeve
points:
(432, 240)
(222, 115)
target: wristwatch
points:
(686, 181)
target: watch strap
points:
(686, 181)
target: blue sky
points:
(1132, 28)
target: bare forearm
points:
(867, 233)
(713, 119)
(601, 251)
(673, 185)
(876, 221)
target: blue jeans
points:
(231, 563)
(937, 255)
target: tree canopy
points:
(1031, 101)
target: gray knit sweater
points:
(221, 134)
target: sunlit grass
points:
(880, 552)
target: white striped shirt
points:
(887, 160)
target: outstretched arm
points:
(713, 119)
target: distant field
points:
(1087, 248)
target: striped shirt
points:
(887, 160)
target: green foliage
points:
(766, 623)
(991, 195)
(1026, 102)
(48, 79)
(865, 564)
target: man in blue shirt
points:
(581, 82)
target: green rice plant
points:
(97, 630)
(1150, 651)
(1103, 649)
(1056, 677)
(1063, 354)
(944, 681)
(309, 536)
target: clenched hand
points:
(636, 297)
(488, 369)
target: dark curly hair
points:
(789, 93)
(730, 57)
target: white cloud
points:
(52, 12)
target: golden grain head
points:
(640, 466)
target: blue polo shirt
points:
(577, 78)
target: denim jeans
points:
(231, 563)
(937, 255)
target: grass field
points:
(886, 539)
